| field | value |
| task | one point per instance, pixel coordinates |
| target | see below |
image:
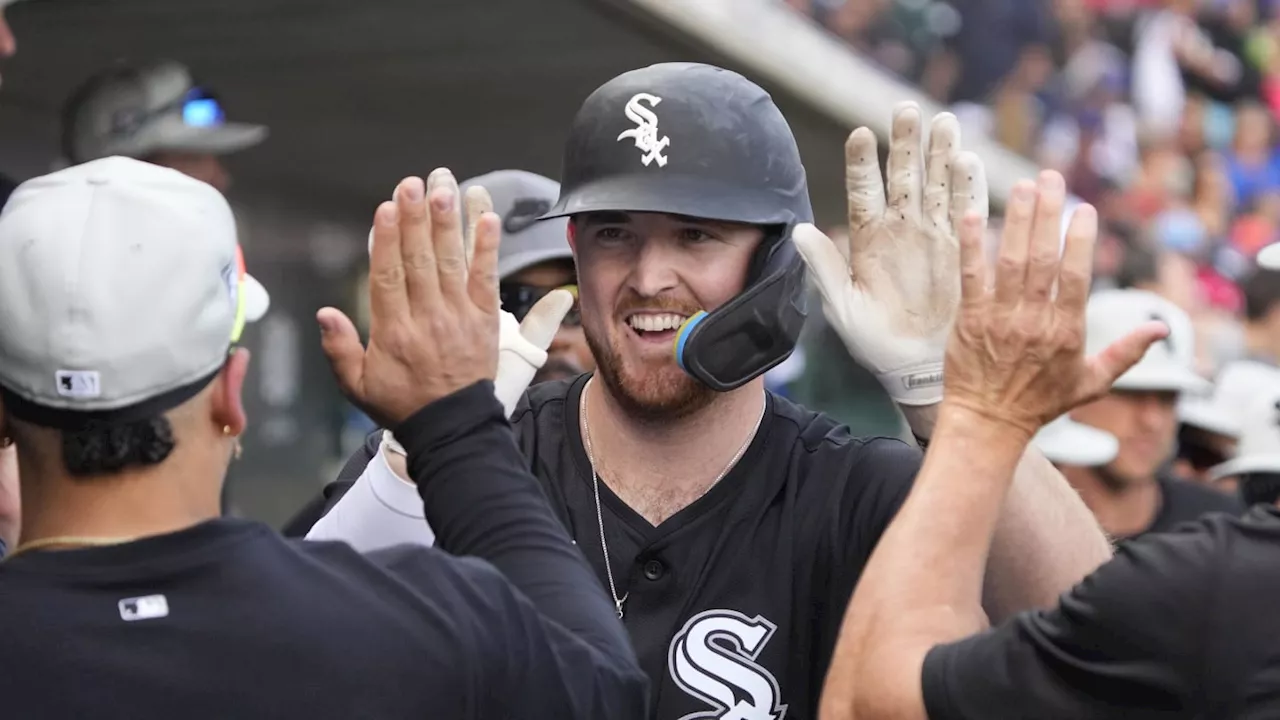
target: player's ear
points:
(571, 234)
(228, 405)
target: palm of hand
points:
(904, 271)
(891, 288)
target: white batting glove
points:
(891, 289)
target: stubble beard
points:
(649, 391)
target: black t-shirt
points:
(737, 599)
(1183, 501)
(1177, 625)
(226, 619)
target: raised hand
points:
(433, 316)
(1016, 353)
(892, 289)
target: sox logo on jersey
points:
(713, 658)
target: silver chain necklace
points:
(595, 485)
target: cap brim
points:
(516, 262)
(1210, 416)
(256, 299)
(216, 140)
(1071, 443)
(1268, 462)
(1162, 377)
(1269, 257)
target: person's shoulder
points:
(1204, 498)
(818, 434)
(542, 410)
(543, 396)
(429, 575)
(824, 456)
(1199, 545)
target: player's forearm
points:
(1047, 540)
(923, 583)
(482, 501)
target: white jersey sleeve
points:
(379, 511)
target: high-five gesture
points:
(1017, 351)
(434, 316)
(892, 289)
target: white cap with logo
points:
(1258, 450)
(1169, 365)
(1219, 411)
(1259, 447)
(122, 288)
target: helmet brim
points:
(673, 194)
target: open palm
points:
(892, 289)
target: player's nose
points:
(654, 271)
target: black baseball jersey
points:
(1178, 625)
(1183, 501)
(226, 619)
(734, 603)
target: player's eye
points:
(611, 235)
(695, 235)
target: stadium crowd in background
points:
(1162, 113)
(1092, 399)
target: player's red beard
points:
(648, 388)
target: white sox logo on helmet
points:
(645, 133)
(713, 658)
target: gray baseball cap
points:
(121, 291)
(520, 198)
(135, 112)
(1169, 365)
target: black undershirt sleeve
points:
(1127, 642)
(482, 501)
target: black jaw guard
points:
(754, 332)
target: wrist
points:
(922, 419)
(993, 433)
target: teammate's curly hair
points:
(102, 448)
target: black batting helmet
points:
(701, 141)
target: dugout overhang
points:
(358, 94)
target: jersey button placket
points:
(654, 570)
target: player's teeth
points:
(656, 322)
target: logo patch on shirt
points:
(713, 658)
(148, 607)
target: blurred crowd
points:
(1162, 113)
